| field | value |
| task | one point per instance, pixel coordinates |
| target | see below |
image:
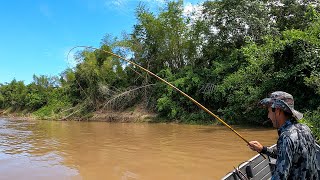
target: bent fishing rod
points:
(172, 86)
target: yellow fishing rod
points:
(169, 84)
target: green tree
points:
(229, 23)
(2, 100)
(14, 94)
(160, 41)
(293, 14)
(286, 63)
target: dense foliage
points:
(227, 55)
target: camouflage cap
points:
(282, 100)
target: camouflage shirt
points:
(295, 153)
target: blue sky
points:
(36, 35)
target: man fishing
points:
(296, 147)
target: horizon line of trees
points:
(227, 55)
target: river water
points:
(117, 151)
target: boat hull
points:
(257, 168)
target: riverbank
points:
(7, 113)
(135, 114)
(130, 115)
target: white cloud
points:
(158, 1)
(128, 6)
(194, 12)
(118, 3)
(188, 8)
(120, 6)
(45, 10)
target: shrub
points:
(312, 119)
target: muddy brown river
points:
(117, 151)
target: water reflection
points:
(96, 150)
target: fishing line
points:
(169, 84)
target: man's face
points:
(272, 117)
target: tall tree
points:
(160, 41)
(293, 14)
(230, 22)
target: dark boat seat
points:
(256, 168)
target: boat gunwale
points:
(242, 165)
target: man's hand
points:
(255, 146)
